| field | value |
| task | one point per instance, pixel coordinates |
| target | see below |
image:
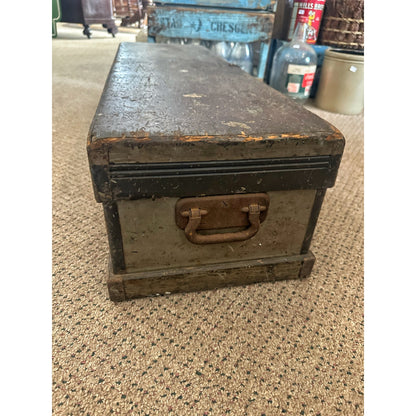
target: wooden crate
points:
(214, 24)
(237, 4)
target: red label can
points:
(313, 10)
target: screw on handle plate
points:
(194, 212)
(254, 208)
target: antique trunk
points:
(208, 176)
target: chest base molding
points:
(125, 286)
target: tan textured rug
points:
(290, 347)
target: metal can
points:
(313, 10)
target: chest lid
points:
(167, 106)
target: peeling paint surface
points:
(236, 124)
(193, 95)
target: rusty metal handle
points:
(195, 215)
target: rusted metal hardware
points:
(221, 212)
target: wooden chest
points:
(208, 176)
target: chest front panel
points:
(152, 240)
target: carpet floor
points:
(289, 347)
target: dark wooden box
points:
(208, 176)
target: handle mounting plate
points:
(221, 211)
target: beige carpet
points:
(291, 347)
